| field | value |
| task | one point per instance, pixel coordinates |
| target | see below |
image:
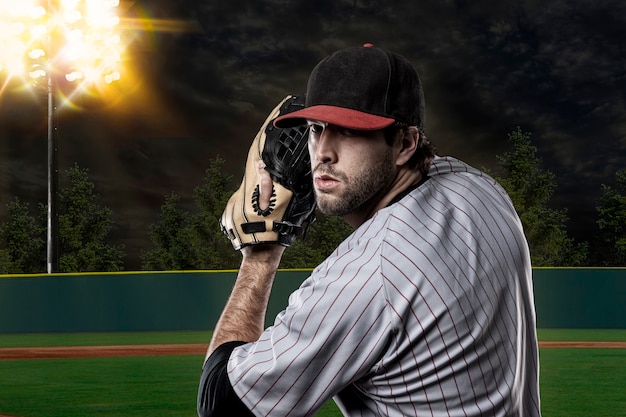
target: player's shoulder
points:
(453, 177)
(454, 190)
(445, 165)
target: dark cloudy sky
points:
(205, 74)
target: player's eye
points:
(352, 132)
(316, 128)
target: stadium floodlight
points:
(59, 41)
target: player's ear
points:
(408, 144)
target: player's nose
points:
(324, 147)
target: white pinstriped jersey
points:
(425, 310)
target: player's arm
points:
(242, 321)
(243, 318)
(261, 218)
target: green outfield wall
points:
(583, 298)
(165, 301)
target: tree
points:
(22, 242)
(170, 237)
(610, 243)
(184, 240)
(531, 188)
(211, 248)
(84, 226)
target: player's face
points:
(352, 169)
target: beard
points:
(361, 189)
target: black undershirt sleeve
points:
(216, 396)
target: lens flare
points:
(79, 37)
(80, 44)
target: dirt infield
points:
(616, 345)
(100, 351)
(188, 349)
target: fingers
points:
(265, 186)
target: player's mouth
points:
(325, 182)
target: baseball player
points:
(426, 309)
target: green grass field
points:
(575, 382)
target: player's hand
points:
(275, 202)
(265, 186)
(266, 252)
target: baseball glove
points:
(292, 204)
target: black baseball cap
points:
(363, 88)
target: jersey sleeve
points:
(332, 333)
(215, 393)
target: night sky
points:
(202, 76)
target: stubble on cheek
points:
(356, 191)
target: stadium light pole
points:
(71, 39)
(52, 242)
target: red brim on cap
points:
(339, 116)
